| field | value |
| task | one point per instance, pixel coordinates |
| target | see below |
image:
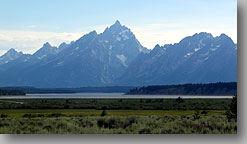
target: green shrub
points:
(100, 123)
(129, 122)
(66, 107)
(56, 115)
(145, 131)
(104, 113)
(28, 116)
(197, 115)
(179, 100)
(231, 113)
(40, 115)
(4, 115)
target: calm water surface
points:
(103, 96)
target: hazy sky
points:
(26, 24)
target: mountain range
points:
(116, 57)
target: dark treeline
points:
(118, 104)
(220, 88)
(113, 89)
(5, 92)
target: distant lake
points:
(103, 96)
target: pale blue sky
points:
(26, 24)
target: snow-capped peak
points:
(10, 55)
(117, 23)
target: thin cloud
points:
(31, 26)
(30, 41)
(151, 34)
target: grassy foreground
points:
(133, 116)
(172, 124)
(76, 121)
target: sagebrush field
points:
(116, 116)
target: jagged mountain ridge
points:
(200, 58)
(93, 60)
(116, 57)
(45, 51)
(10, 55)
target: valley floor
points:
(115, 124)
(30, 117)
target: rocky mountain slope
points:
(116, 57)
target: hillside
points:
(187, 89)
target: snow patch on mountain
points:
(122, 58)
(213, 49)
(189, 54)
(205, 58)
(59, 63)
(125, 37)
(197, 49)
(118, 38)
(124, 34)
(93, 52)
(110, 47)
(41, 57)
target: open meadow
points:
(116, 116)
